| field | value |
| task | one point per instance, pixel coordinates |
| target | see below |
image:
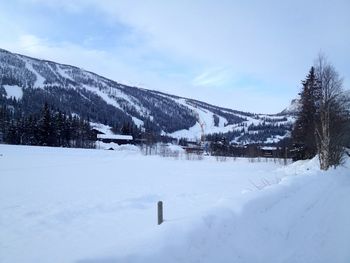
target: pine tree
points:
(303, 133)
(46, 129)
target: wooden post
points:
(285, 155)
(160, 212)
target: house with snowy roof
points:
(115, 138)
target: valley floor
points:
(88, 206)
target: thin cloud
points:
(213, 78)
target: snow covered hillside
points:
(82, 93)
(96, 206)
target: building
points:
(115, 138)
(268, 151)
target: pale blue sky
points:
(246, 55)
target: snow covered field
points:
(88, 206)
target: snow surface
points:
(13, 92)
(137, 121)
(103, 95)
(175, 148)
(108, 97)
(293, 107)
(205, 117)
(88, 206)
(114, 146)
(63, 72)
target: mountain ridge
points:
(109, 102)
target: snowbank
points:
(88, 206)
(117, 147)
(175, 148)
(304, 218)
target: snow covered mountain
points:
(293, 108)
(108, 102)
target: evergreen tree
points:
(46, 129)
(303, 133)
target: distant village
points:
(219, 148)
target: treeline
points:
(222, 147)
(260, 133)
(49, 127)
(249, 151)
(85, 104)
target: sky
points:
(244, 55)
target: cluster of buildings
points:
(206, 148)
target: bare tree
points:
(331, 114)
